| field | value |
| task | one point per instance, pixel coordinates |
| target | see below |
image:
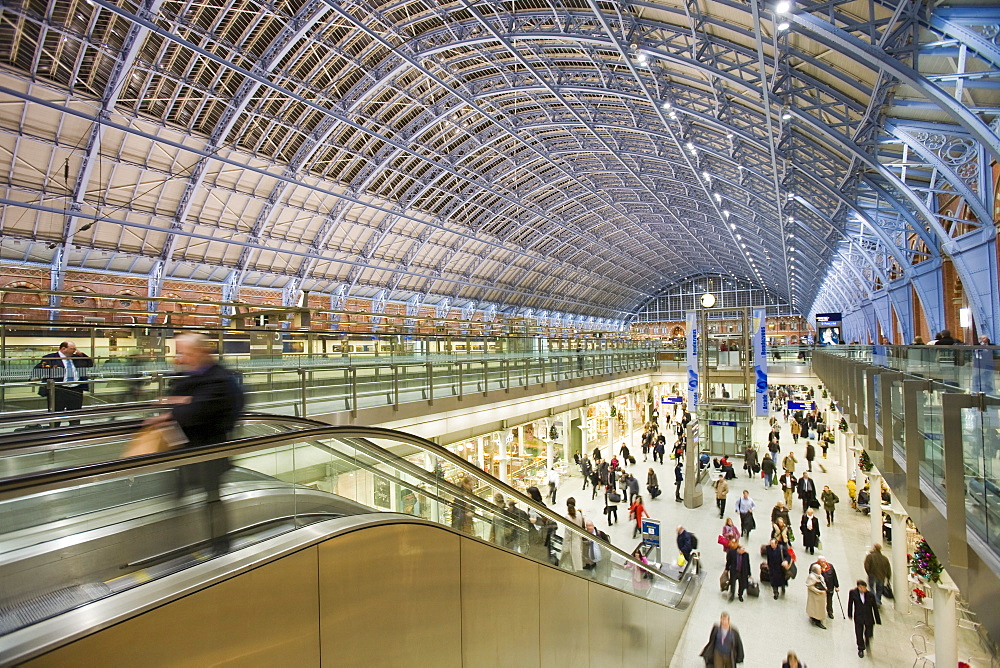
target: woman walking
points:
(830, 501)
(816, 597)
(730, 534)
(636, 512)
(611, 501)
(573, 544)
(810, 531)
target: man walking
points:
(738, 565)
(745, 506)
(807, 492)
(788, 484)
(721, 492)
(724, 648)
(829, 574)
(862, 609)
(553, 480)
(205, 402)
(678, 480)
(878, 570)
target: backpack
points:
(694, 542)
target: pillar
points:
(900, 585)
(566, 437)
(630, 420)
(519, 437)
(481, 452)
(876, 506)
(502, 457)
(945, 622)
(585, 435)
(549, 447)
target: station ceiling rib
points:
(568, 156)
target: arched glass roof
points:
(571, 157)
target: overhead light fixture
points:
(643, 58)
(667, 106)
(708, 177)
(782, 7)
(786, 113)
(783, 26)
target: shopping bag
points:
(155, 438)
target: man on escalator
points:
(205, 402)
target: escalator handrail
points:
(32, 483)
(38, 439)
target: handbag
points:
(722, 540)
(724, 580)
(753, 589)
(614, 497)
(155, 438)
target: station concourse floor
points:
(771, 628)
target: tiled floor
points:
(771, 628)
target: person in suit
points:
(738, 565)
(778, 561)
(68, 365)
(725, 647)
(862, 609)
(809, 526)
(807, 491)
(205, 402)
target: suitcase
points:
(765, 573)
(753, 589)
(631, 460)
(724, 580)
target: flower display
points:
(925, 564)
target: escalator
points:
(102, 545)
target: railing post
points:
(302, 391)
(461, 381)
(430, 383)
(158, 379)
(354, 391)
(50, 385)
(486, 378)
(505, 367)
(395, 386)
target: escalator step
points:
(18, 614)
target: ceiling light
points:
(667, 105)
(691, 147)
(782, 7)
(732, 225)
(791, 219)
(725, 212)
(708, 177)
(717, 196)
(786, 113)
(643, 59)
(783, 26)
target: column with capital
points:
(875, 504)
(945, 622)
(900, 567)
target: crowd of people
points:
(797, 443)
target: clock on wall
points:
(708, 300)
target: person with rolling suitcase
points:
(738, 565)
(652, 484)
